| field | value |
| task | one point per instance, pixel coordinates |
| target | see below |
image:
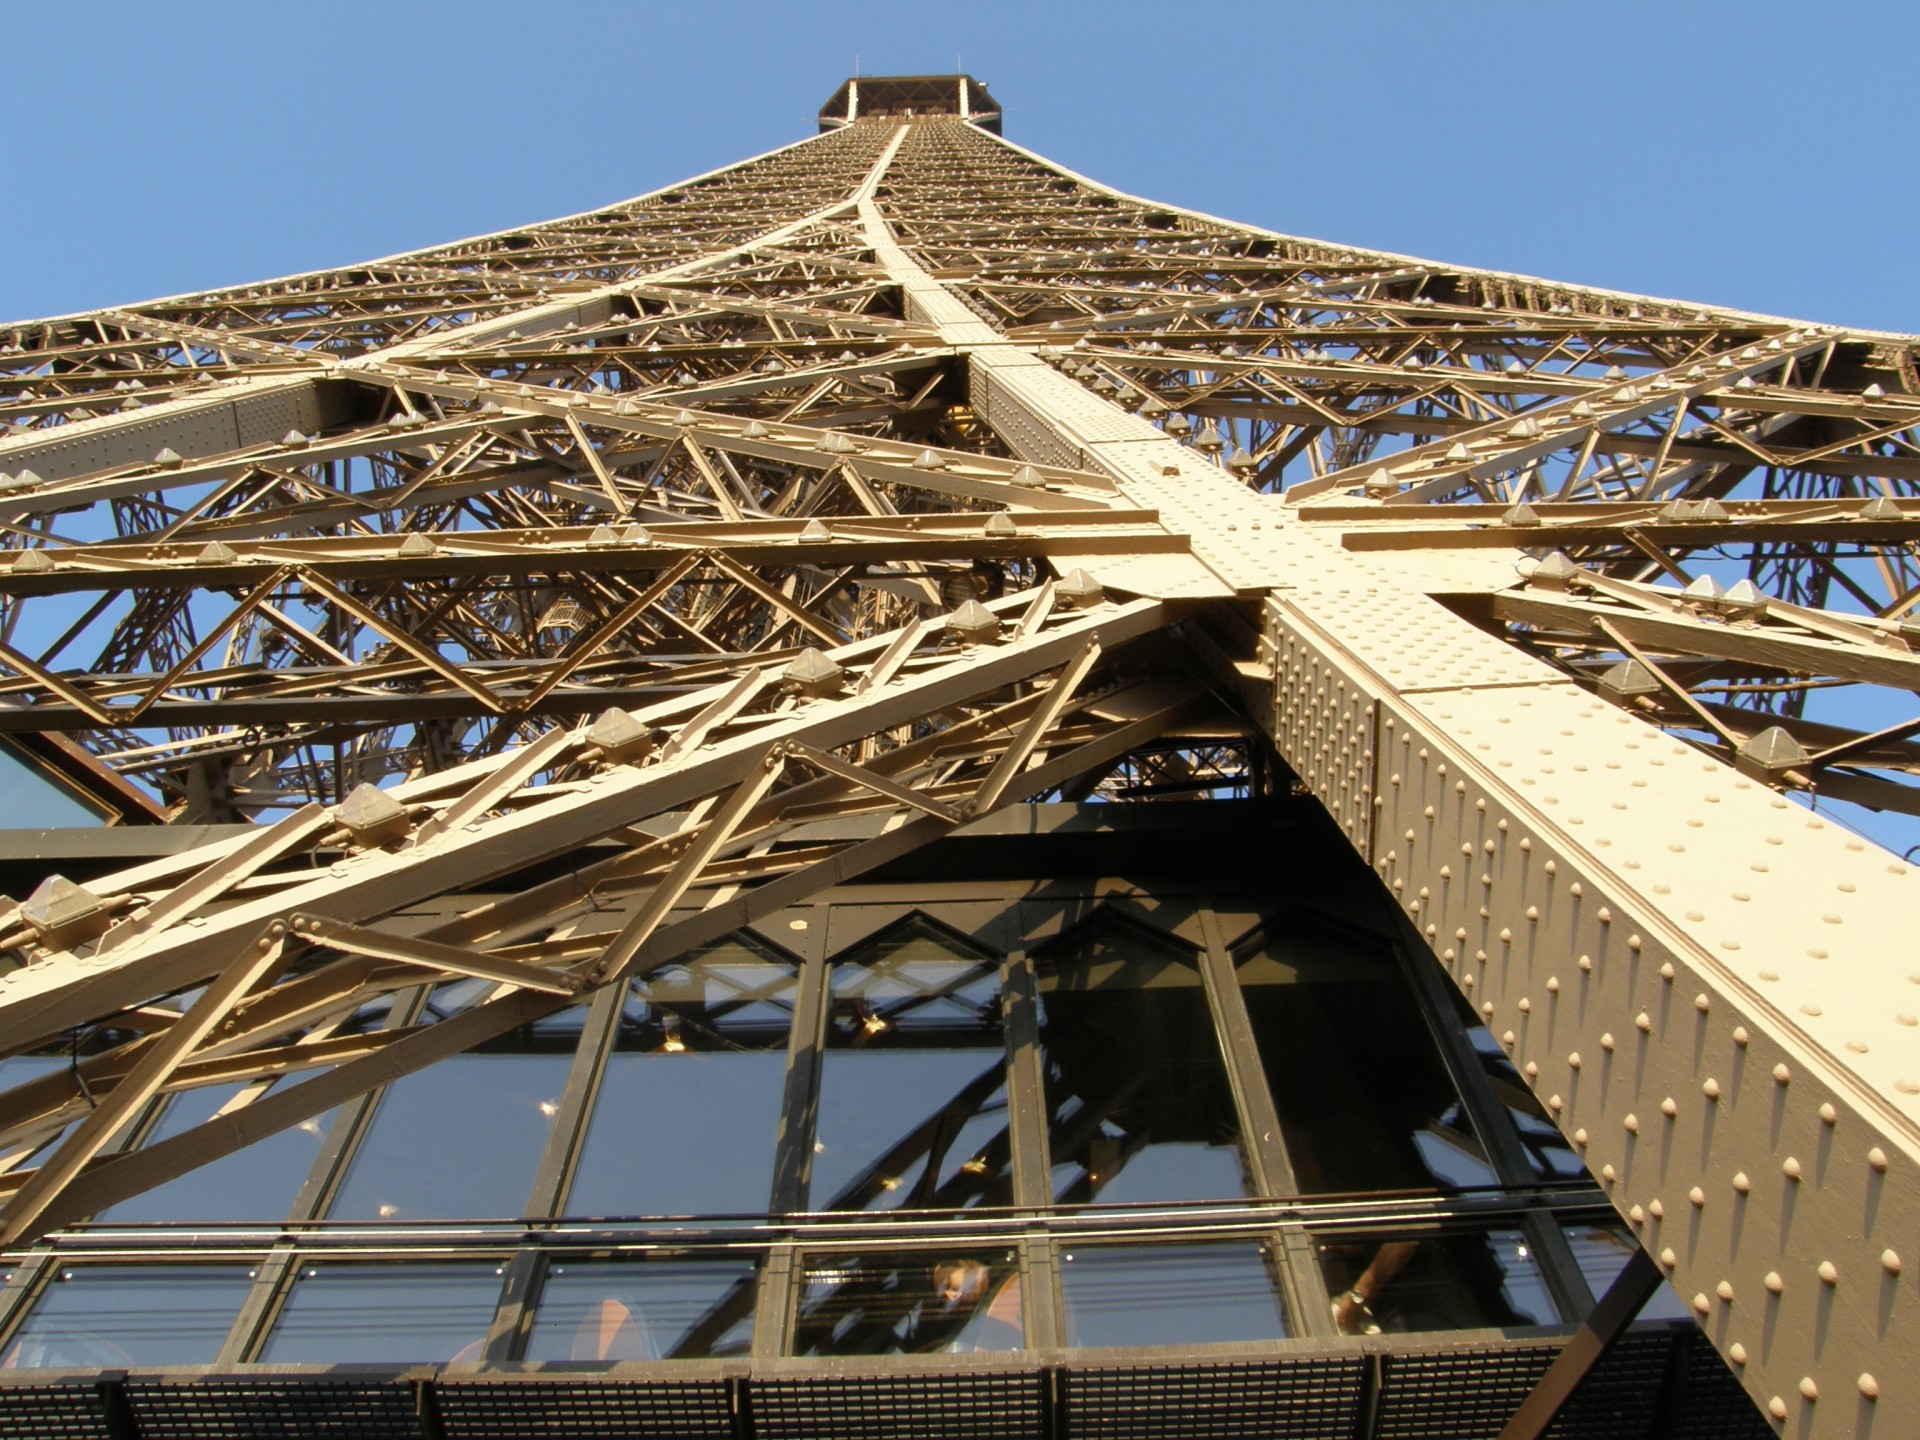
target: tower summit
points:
(870, 97)
(890, 792)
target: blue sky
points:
(1758, 155)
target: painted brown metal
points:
(407, 521)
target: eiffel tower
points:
(889, 792)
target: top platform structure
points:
(905, 96)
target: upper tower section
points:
(866, 96)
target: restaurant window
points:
(913, 1095)
(1139, 1108)
(688, 1112)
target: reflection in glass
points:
(457, 1140)
(114, 1316)
(1546, 1148)
(1169, 1295)
(1364, 1099)
(909, 1303)
(385, 1314)
(913, 1096)
(1138, 1104)
(644, 1310)
(256, 1182)
(701, 1053)
(1441, 1280)
(1601, 1251)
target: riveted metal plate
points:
(1630, 919)
(1323, 726)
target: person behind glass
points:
(960, 1286)
(1353, 1310)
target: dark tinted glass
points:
(385, 1314)
(913, 1101)
(1601, 1251)
(1138, 1104)
(644, 1310)
(909, 1302)
(457, 1140)
(119, 1315)
(1364, 1099)
(1444, 1280)
(701, 1052)
(257, 1182)
(1168, 1295)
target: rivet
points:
(1777, 1408)
(1808, 1389)
(1586, 963)
(1710, 1088)
(1737, 1353)
(1741, 1183)
(1606, 1173)
(1790, 1167)
(1740, 1036)
(1828, 1272)
(1666, 973)
(1668, 1108)
(1781, 1074)
(1580, 1137)
(1575, 890)
(1701, 1303)
(1606, 1041)
(1643, 1021)
(1656, 1209)
(1829, 1114)
(1555, 1104)
(1890, 1261)
(1702, 1003)
(1775, 1285)
(1526, 1006)
(1725, 1291)
(1877, 1158)
(1668, 1258)
(1530, 1070)
(1869, 1386)
(1632, 1122)
(1605, 916)
(1633, 943)
(1636, 1215)
(1553, 984)
(1698, 1197)
(1507, 1038)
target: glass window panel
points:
(1138, 1104)
(644, 1310)
(1364, 1098)
(909, 1302)
(385, 1314)
(1444, 1280)
(1602, 1251)
(701, 1052)
(458, 1140)
(18, 1070)
(257, 1182)
(1546, 1148)
(1169, 1295)
(35, 794)
(113, 1316)
(913, 1100)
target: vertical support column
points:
(1303, 1287)
(1027, 1124)
(793, 1154)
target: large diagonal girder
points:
(1555, 589)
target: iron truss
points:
(901, 471)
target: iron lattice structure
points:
(698, 554)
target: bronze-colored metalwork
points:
(902, 473)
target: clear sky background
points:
(1759, 155)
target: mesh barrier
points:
(53, 1412)
(308, 1408)
(998, 1406)
(1285, 1400)
(1712, 1404)
(604, 1409)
